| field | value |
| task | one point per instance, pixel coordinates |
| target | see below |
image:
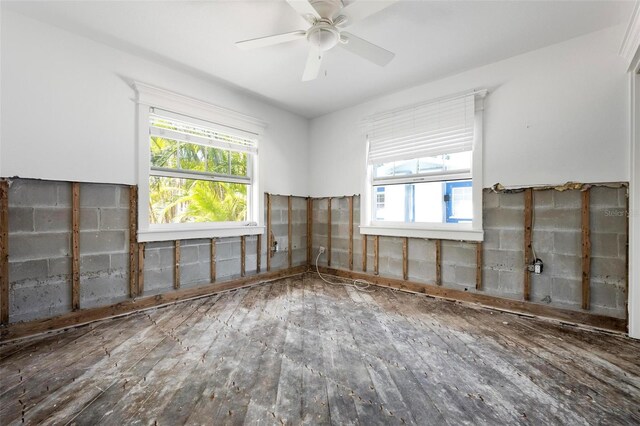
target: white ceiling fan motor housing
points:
(323, 35)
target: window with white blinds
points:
(427, 161)
(426, 130)
(198, 168)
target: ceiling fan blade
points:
(360, 9)
(369, 51)
(304, 8)
(312, 68)
(270, 40)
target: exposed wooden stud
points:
(243, 255)
(269, 233)
(4, 252)
(176, 266)
(405, 258)
(141, 247)
(309, 229)
(351, 232)
(133, 240)
(213, 260)
(329, 233)
(289, 232)
(376, 253)
(438, 262)
(258, 253)
(479, 266)
(364, 253)
(75, 246)
(586, 249)
(528, 225)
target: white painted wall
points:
(68, 110)
(552, 115)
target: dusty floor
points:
(294, 353)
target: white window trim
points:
(444, 231)
(153, 97)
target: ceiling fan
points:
(328, 18)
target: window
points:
(197, 170)
(426, 160)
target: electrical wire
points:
(360, 285)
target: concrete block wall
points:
(556, 240)
(40, 249)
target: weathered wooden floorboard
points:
(477, 373)
(288, 406)
(82, 390)
(30, 387)
(301, 351)
(169, 378)
(368, 379)
(580, 368)
(521, 354)
(130, 382)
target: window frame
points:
(149, 97)
(447, 231)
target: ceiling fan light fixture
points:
(323, 36)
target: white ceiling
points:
(431, 39)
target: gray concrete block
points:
(421, 271)
(569, 243)
(510, 284)
(64, 197)
(504, 218)
(491, 238)
(490, 199)
(28, 270)
(60, 267)
(512, 200)
(623, 197)
(511, 239)
(98, 195)
(111, 219)
(31, 193)
(157, 280)
(52, 219)
(503, 260)
(103, 290)
(390, 247)
(102, 242)
(566, 290)
(39, 246)
(119, 262)
(561, 265)
(195, 273)
(123, 196)
(458, 254)
(188, 254)
(41, 300)
(465, 276)
(89, 219)
(543, 198)
(609, 269)
(604, 197)
(159, 258)
(95, 263)
(418, 249)
(570, 199)
(231, 267)
(542, 241)
(612, 220)
(21, 219)
(607, 245)
(603, 294)
(541, 288)
(557, 219)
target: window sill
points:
(443, 233)
(172, 233)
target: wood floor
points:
(292, 352)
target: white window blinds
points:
(174, 126)
(434, 128)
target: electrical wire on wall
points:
(360, 285)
